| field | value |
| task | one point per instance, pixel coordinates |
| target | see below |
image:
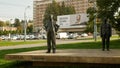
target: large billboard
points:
(72, 21)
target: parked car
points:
(14, 38)
(31, 37)
(43, 36)
(62, 35)
(6, 37)
(2, 37)
(84, 35)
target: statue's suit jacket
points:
(105, 30)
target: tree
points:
(2, 23)
(1, 32)
(5, 32)
(7, 23)
(18, 24)
(108, 8)
(30, 21)
(13, 32)
(69, 10)
(62, 12)
(90, 24)
(30, 29)
(55, 9)
(65, 10)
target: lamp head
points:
(91, 1)
(51, 16)
(28, 6)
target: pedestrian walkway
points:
(42, 44)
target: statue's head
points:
(51, 16)
(105, 20)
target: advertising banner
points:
(70, 21)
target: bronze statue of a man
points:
(51, 29)
(105, 34)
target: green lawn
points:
(21, 42)
(115, 44)
(12, 43)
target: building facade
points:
(8, 28)
(39, 7)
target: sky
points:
(11, 9)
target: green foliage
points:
(30, 21)
(55, 9)
(2, 23)
(90, 25)
(91, 13)
(108, 8)
(5, 32)
(30, 29)
(118, 32)
(10, 43)
(13, 32)
(1, 32)
(20, 26)
(7, 23)
(69, 10)
(117, 24)
(65, 10)
(105, 8)
(51, 9)
(17, 23)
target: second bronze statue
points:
(106, 33)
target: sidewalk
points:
(42, 44)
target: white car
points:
(84, 35)
(43, 36)
(14, 37)
(62, 35)
(73, 36)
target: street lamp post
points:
(10, 29)
(95, 25)
(25, 22)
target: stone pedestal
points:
(68, 57)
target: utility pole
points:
(95, 25)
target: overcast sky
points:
(11, 9)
